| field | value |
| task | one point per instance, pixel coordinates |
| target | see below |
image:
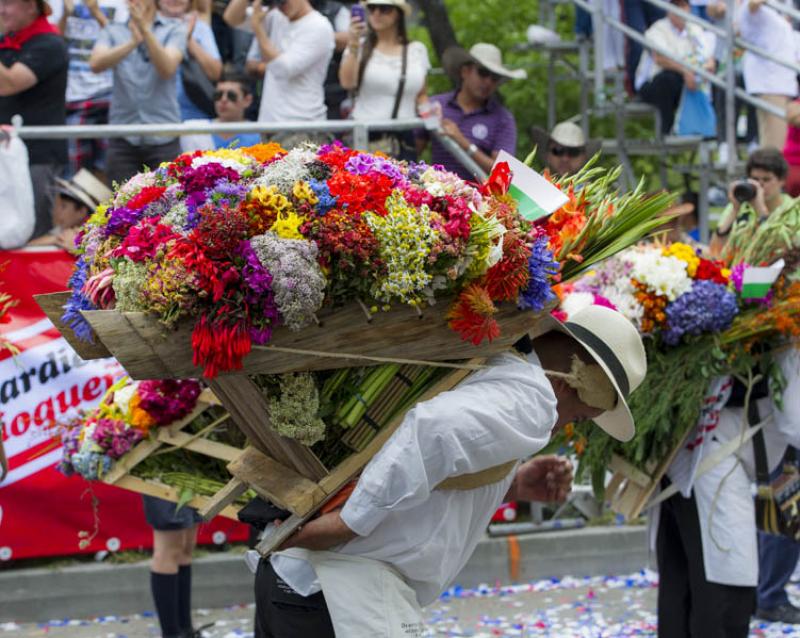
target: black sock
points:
(165, 596)
(185, 597)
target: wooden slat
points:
(201, 446)
(242, 398)
(52, 305)
(618, 464)
(227, 495)
(169, 493)
(279, 484)
(396, 333)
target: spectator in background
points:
(765, 28)
(565, 149)
(88, 94)
(660, 80)
(200, 47)
(74, 201)
(472, 115)
(231, 99)
(339, 16)
(145, 54)
(639, 15)
(293, 62)
(33, 81)
(387, 73)
(791, 150)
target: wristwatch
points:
(472, 149)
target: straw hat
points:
(615, 344)
(85, 188)
(400, 4)
(482, 54)
(566, 134)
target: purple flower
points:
(168, 400)
(705, 307)
(259, 295)
(72, 316)
(323, 193)
(364, 164)
(121, 219)
(541, 267)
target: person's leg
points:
(633, 14)
(124, 160)
(155, 155)
(167, 552)
(673, 576)
(664, 92)
(283, 613)
(771, 128)
(42, 179)
(185, 581)
(715, 610)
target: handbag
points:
(16, 193)
(777, 501)
(198, 88)
(696, 116)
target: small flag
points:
(536, 197)
(756, 281)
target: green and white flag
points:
(757, 281)
(536, 197)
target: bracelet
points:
(472, 149)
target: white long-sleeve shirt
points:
(766, 29)
(503, 413)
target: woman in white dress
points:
(386, 73)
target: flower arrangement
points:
(242, 241)
(93, 442)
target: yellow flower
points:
(685, 253)
(99, 217)
(138, 416)
(287, 225)
(230, 153)
(303, 193)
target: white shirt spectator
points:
(294, 81)
(692, 44)
(500, 414)
(766, 29)
(379, 85)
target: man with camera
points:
(761, 193)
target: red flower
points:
(507, 277)
(471, 316)
(221, 345)
(147, 195)
(361, 192)
(710, 270)
(144, 240)
(499, 181)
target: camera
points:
(744, 191)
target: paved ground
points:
(563, 608)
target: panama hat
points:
(614, 343)
(400, 4)
(482, 54)
(566, 134)
(85, 188)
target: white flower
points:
(577, 301)
(663, 275)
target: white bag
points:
(366, 598)
(17, 215)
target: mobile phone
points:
(357, 11)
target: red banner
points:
(42, 512)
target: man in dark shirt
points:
(472, 115)
(33, 81)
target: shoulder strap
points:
(402, 84)
(759, 445)
(475, 480)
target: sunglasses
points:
(231, 96)
(380, 8)
(569, 151)
(486, 73)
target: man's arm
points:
(104, 57)
(266, 47)
(235, 13)
(164, 59)
(452, 131)
(15, 79)
(325, 532)
(546, 479)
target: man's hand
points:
(690, 80)
(329, 530)
(139, 15)
(258, 15)
(544, 478)
(191, 23)
(69, 7)
(450, 128)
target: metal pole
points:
(583, 74)
(598, 33)
(461, 155)
(730, 89)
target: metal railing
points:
(359, 129)
(727, 33)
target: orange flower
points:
(139, 417)
(471, 315)
(264, 153)
(580, 445)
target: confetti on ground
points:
(596, 607)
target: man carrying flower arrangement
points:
(422, 504)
